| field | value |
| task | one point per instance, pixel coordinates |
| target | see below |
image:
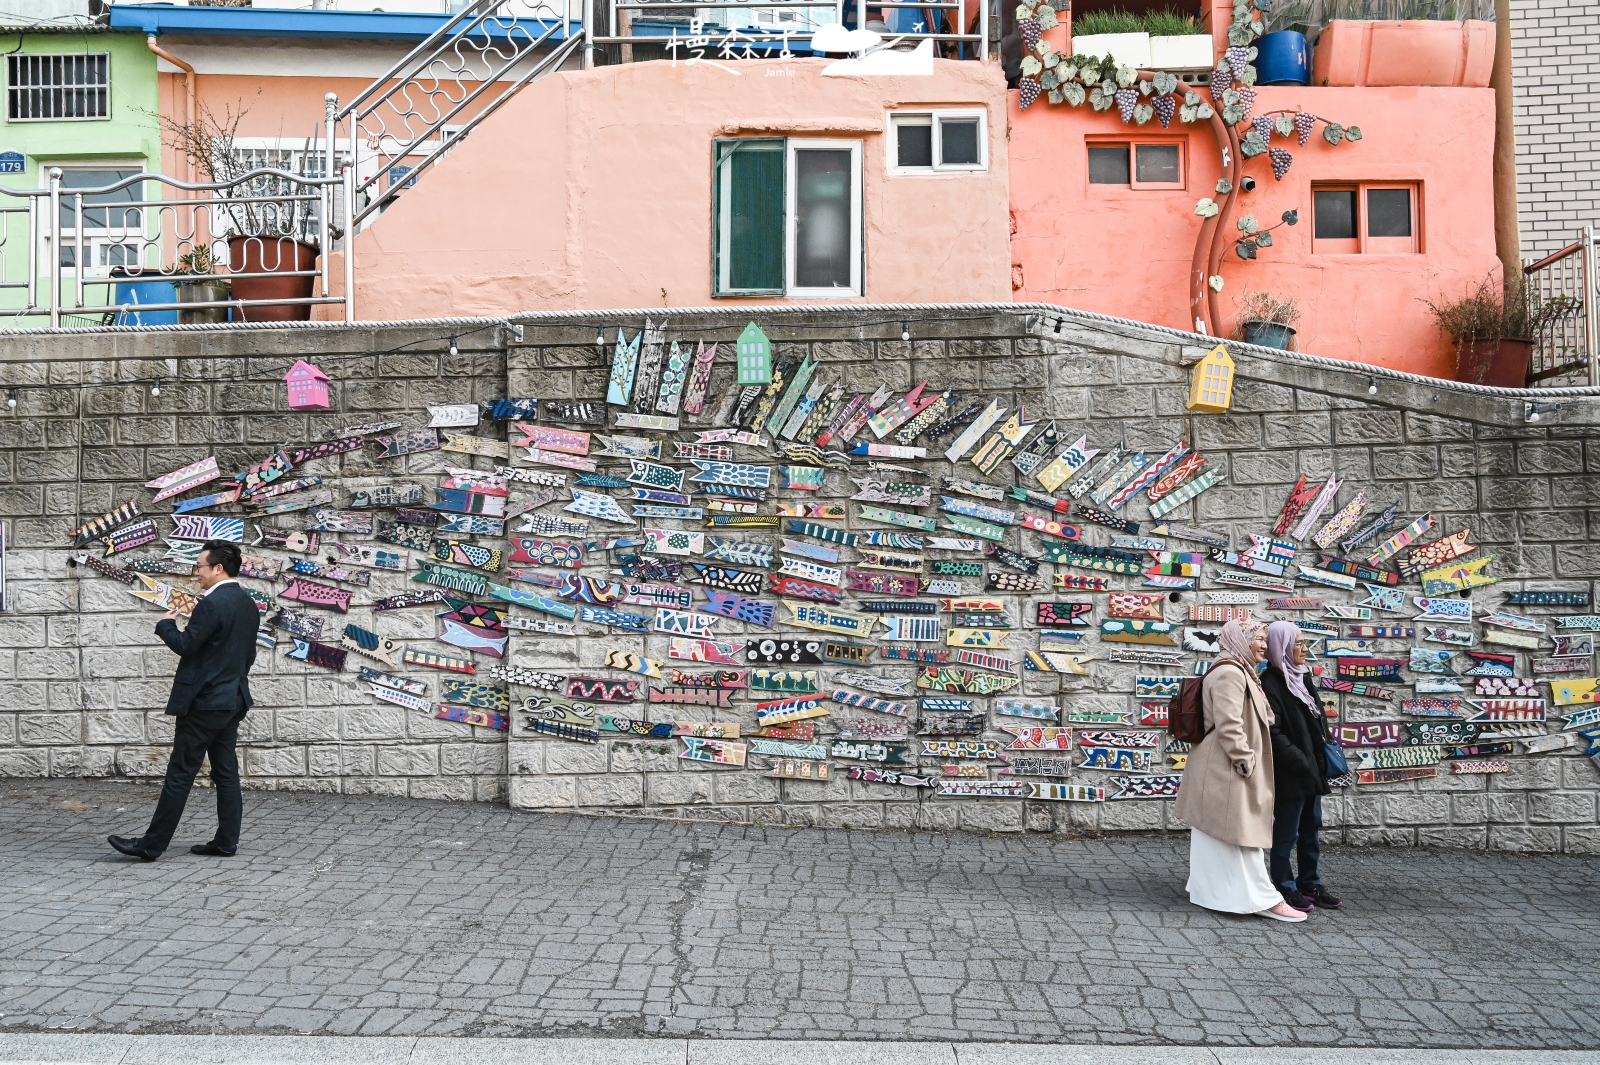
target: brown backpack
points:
(1186, 717)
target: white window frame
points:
(94, 237)
(793, 146)
(65, 118)
(933, 118)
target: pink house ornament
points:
(308, 386)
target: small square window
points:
(1137, 164)
(1158, 164)
(936, 141)
(1108, 164)
(1363, 219)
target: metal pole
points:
(331, 120)
(34, 237)
(349, 235)
(588, 34)
(54, 237)
(77, 241)
(1591, 321)
(566, 21)
(983, 20)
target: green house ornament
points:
(755, 356)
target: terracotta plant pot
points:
(255, 255)
(1413, 52)
(1501, 362)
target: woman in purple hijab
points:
(1300, 770)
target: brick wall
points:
(85, 678)
(82, 679)
(1556, 62)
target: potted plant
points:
(267, 231)
(1266, 320)
(1163, 39)
(1494, 327)
(195, 282)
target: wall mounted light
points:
(905, 330)
(11, 398)
(1372, 384)
(155, 387)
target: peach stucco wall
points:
(1125, 252)
(592, 189)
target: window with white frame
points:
(113, 223)
(54, 88)
(932, 142)
(787, 218)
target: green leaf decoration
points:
(1247, 76)
(1047, 17)
(1126, 76)
(1066, 71)
(1252, 145)
(1051, 61)
(1207, 208)
(1055, 96)
(1074, 93)
(1205, 110)
(1248, 224)
(1143, 113)
(1031, 66)
(1233, 114)
(1215, 282)
(1109, 86)
(1263, 240)
(1333, 133)
(1146, 88)
(1192, 99)
(1188, 113)
(1291, 218)
(1229, 97)
(1246, 249)
(1224, 186)
(1284, 125)
(1253, 54)
(1099, 99)
(1241, 35)
(1048, 80)
(1024, 11)
(1352, 133)
(1166, 84)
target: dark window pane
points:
(123, 218)
(1157, 164)
(958, 141)
(822, 218)
(1334, 214)
(754, 214)
(1108, 165)
(914, 144)
(1388, 212)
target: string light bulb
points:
(11, 398)
(1372, 384)
(155, 387)
(453, 349)
(905, 330)
(600, 336)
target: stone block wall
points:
(85, 679)
(1469, 457)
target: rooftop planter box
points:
(1414, 52)
(1141, 51)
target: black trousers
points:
(201, 734)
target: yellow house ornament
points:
(1211, 382)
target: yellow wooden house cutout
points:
(1211, 382)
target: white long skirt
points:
(1229, 878)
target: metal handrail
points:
(1568, 346)
(137, 236)
(611, 33)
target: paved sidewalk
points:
(393, 917)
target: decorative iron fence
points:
(1567, 349)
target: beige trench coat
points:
(1216, 796)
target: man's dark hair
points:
(222, 553)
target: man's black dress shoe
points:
(133, 848)
(210, 848)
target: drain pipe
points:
(188, 80)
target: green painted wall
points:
(130, 135)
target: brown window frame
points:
(1363, 243)
(1133, 143)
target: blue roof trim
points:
(156, 19)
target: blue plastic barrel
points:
(131, 294)
(1282, 59)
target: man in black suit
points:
(210, 696)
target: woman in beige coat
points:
(1226, 795)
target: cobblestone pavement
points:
(397, 917)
